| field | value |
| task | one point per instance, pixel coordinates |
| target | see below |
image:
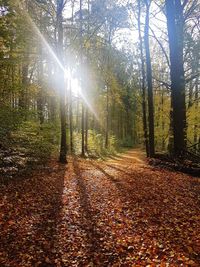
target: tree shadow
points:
(111, 177)
(29, 229)
(152, 218)
(94, 235)
(114, 157)
(117, 169)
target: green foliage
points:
(193, 120)
(162, 120)
(110, 79)
(10, 120)
(36, 141)
(128, 142)
(96, 144)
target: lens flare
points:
(75, 83)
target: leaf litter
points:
(118, 212)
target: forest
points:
(99, 133)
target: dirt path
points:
(118, 212)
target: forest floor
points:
(118, 212)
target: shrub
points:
(10, 120)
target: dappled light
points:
(94, 213)
(99, 133)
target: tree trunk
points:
(63, 143)
(81, 63)
(107, 119)
(71, 118)
(77, 115)
(196, 112)
(23, 93)
(175, 35)
(52, 99)
(83, 131)
(107, 90)
(143, 83)
(149, 83)
(40, 96)
(163, 120)
(86, 129)
(88, 83)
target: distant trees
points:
(69, 66)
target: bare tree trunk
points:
(81, 63)
(163, 120)
(107, 119)
(77, 115)
(71, 119)
(175, 33)
(23, 96)
(70, 91)
(86, 129)
(83, 130)
(52, 99)
(149, 83)
(143, 82)
(88, 83)
(196, 112)
(40, 96)
(63, 143)
(107, 90)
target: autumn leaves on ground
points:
(118, 212)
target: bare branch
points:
(161, 46)
(167, 85)
(192, 77)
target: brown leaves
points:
(10, 222)
(115, 213)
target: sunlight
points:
(99, 133)
(73, 83)
(77, 91)
(39, 34)
(75, 87)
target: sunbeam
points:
(99, 133)
(76, 87)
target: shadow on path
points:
(156, 215)
(118, 169)
(96, 256)
(30, 209)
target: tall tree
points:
(175, 26)
(143, 80)
(81, 77)
(60, 52)
(149, 81)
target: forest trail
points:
(118, 212)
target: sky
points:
(129, 36)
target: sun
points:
(73, 83)
(75, 86)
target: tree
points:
(175, 26)
(149, 81)
(63, 143)
(143, 80)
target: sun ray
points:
(54, 56)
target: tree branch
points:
(161, 46)
(167, 85)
